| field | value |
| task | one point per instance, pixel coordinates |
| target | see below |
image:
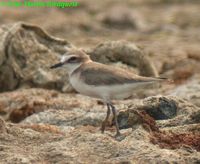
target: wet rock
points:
(137, 118)
(160, 108)
(24, 51)
(171, 111)
(122, 120)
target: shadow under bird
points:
(101, 81)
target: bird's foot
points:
(104, 123)
(119, 136)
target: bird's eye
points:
(72, 59)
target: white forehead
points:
(64, 58)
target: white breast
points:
(83, 88)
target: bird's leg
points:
(115, 119)
(106, 119)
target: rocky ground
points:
(44, 120)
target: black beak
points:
(56, 65)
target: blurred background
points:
(166, 29)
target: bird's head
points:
(72, 59)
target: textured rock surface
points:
(125, 19)
(68, 131)
(125, 52)
(86, 145)
(189, 91)
(173, 111)
(17, 105)
(24, 52)
(2, 126)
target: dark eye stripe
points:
(73, 59)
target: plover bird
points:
(101, 81)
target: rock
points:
(195, 117)
(75, 110)
(2, 126)
(182, 18)
(193, 52)
(160, 108)
(189, 91)
(24, 51)
(182, 70)
(85, 144)
(16, 106)
(172, 110)
(125, 19)
(68, 118)
(67, 128)
(126, 52)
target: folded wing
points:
(100, 74)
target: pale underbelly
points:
(107, 93)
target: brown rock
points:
(17, 105)
(68, 130)
(171, 111)
(125, 19)
(125, 52)
(2, 126)
(24, 52)
(189, 90)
